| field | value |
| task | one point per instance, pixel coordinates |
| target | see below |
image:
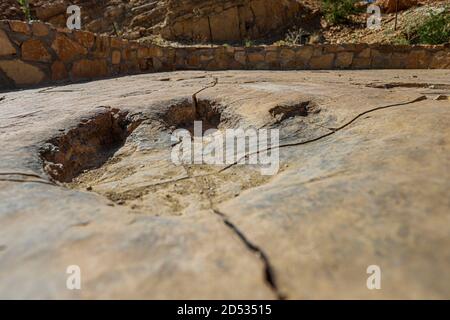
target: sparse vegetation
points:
(248, 43)
(25, 6)
(436, 28)
(338, 11)
(297, 36)
(433, 28)
(401, 40)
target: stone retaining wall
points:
(38, 54)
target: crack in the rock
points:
(194, 96)
(408, 85)
(270, 277)
(30, 175)
(33, 175)
(421, 98)
(26, 181)
(333, 131)
(269, 272)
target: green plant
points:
(25, 6)
(435, 29)
(401, 40)
(338, 11)
(296, 36)
(249, 43)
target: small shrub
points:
(338, 11)
(25, 6)
(296, 36)
(249, 43)
(435, 29)
(401, 40)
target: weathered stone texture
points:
(35, 50)
(20, 27)
(374, 192)
(22, 73)
(40, 29)
(6, 47)
(59, 71)
(67, 49)
(90, 69)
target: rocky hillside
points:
(192, 20)
(206, 21)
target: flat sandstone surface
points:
(86, 179)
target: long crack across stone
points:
(269, 273)
(333, 131)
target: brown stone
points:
(59, 71)
(322, 62)
(364, 53)
(333, 48)
(6, 47)
(118, 43)
(234, 20)
(50, 9)
(200, 30)
(390, 6)
(418, 59)
(286, 55)
(209, 57)
(19, 26)
(39, 29)
(361, 63)
(272, 56)
(143, 64)
(218, 64)
(134, 44)
(441, 60)
(231, 31)
(305, 53)
(155, 51)
(67, 49)
(344, 59)
(142, 53)
(34, 50)
(193, 60)
(102, 47)
(90, 69)
(63, 29)
(86, 39)
(318, 51)
(116, 57)
(255, 57)
(129, 54)
(22, 73)
(398, 60)
(241, 57)
(157, 64)
(381, 60)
